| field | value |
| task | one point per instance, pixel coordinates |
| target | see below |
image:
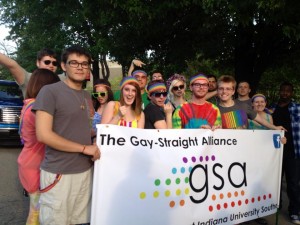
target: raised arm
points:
(134, 63)
(14, 68)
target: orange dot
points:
(182, 202)
(242, 192)
(213, 197)
(229, 195)
(221, 196)
(236, 193)
(172, 204)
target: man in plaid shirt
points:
(287, 114)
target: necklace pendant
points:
(82, 107)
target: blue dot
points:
(174, 170)
(182, 170)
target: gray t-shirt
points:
(27, 76)
(70, 121)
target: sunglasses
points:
(99, 94)
(159, 94)
(47, 62)
(180, 87)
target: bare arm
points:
(14, 68)
(265, 123)
(46, 135)
(210, 94)
(108, 116)
(141, 121)
(135, 62)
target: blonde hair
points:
(170, 93)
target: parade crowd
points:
(59, 118)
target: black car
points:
(11, 102)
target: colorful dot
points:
(168, 181)
(253, 200)
(142, 195)
(232, 204)
(184, 159)
(172, 204)
(167, 193)
(155, 194)
(210, 208)
(187, 191)
(270, 195)
(193, 159)
(229, 195)
(207, 158)
(190, 169)
(186, 180)
(242, 192)
(174, 170)
(265, 197)
(258, 198)
(213, 197)
(182, 202)
(239, 202)
(218, 207)
(221, 196)
(182, 170)
(157, 182)
(178, 192)
(201, 158)
(213, 158)
(177, 181)
(236, 193)
(225, 205)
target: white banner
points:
(185, 177)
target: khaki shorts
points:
(69, 201)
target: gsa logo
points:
(276, 140)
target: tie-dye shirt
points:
(191, 115)
(236, 116)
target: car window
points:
(10, 92)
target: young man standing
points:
(158, 115)
(63, 124)
(286, 112)
(243, 91)
(198, 113)
(46, 59)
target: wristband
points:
(83, 149)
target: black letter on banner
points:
(219, 176)
(244, 182)
(204, 186)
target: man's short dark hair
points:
(211, 75)
(45, 52)
(286, 83)
(75, 49)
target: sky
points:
(3, 33)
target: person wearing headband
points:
(158, 115)
(102, 94)
(128, 111)
(198, 113)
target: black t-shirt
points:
(153, 113)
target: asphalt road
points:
(14, 206)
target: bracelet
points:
(83, 149)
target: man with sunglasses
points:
(198, 113)
(158, 115)
(46, 59)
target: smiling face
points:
(159, 97)
(199, 88)
(225, 91)
(129, 94)
(47, 62)
(142, 79)
(259, 104)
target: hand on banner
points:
(283, 140)
(216, 127)
(205, 127)
(280, 128)
(93, 151)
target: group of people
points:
(56, 163)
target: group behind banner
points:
(185, 177)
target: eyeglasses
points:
(47, 62)
(176, 88)
(159, 94)
(98, 94)
(198, 85)
(75, 64)
(224, 89)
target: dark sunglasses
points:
(47, 62)
(98, 94)
(159, 94)
(180, 87)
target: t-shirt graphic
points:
(237, 119)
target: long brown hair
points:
(137, 104)
(38, 79)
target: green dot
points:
(168, 181)
(178, 192)
(186, 180)
(167, 193)
(157, 182)
(155, 194)
(142, 195)
(177, 181)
